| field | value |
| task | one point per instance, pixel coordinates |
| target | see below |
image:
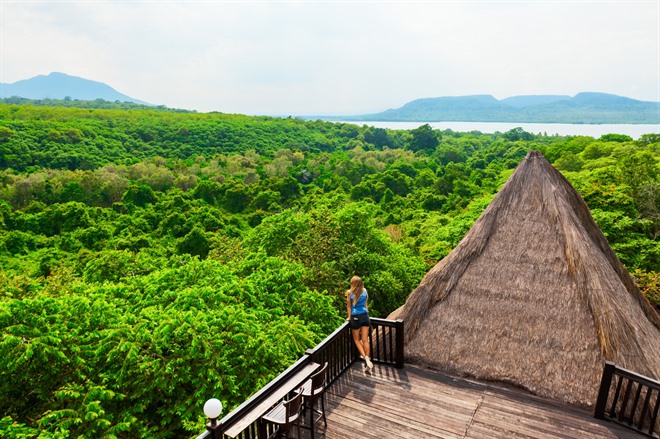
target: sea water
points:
(562, 129)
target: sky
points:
(335, 57)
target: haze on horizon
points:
(335, 57)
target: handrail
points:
(338, 349)
(625, 410)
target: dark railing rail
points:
(629, 399)
(338, 349)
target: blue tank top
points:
(361, 306)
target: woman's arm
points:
(348, 304)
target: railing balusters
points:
(371, 343)
(330, 358)
(391, 345)
(342, 351)
(383, 344)
(616, 396)
(624, 403)
(654, 418)
(383, 338)
(378, 356)
(387, 345)
(386, 341)
(635, 401)
(645, 407)
(621, 411)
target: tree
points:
(208, 191)
(236, 197)
(518, 134)
(72, 191)
(620, 138)
(424, 138)
(196, 243)
(139, 195)
(569, 162)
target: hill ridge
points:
(58, 85)
(584, 107)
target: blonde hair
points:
(356, 288)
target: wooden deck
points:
(418, 403)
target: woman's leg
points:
(358, 342)
(364, 338)
(364, 341)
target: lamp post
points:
(212, 410)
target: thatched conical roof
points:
(533, 295)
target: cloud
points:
(335, 57)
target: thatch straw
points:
(533, 295)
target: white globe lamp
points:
(212, 410)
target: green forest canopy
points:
(152, 259)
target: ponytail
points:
(356, 288)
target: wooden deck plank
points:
(541, 417)
(389, 397)
(530, 427)
(435, 413)
(418, 403)
(398, 421)
(482, 431)
(551, 414)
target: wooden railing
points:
(338, 349)
(629, 399)
(386, 342)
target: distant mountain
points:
(594, 108)
(59, 86)
(529, 100)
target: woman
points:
(358, 315)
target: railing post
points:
(604, 391)
(398, 324)
(312, 354)
(215, 429)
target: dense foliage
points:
(154, 259)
